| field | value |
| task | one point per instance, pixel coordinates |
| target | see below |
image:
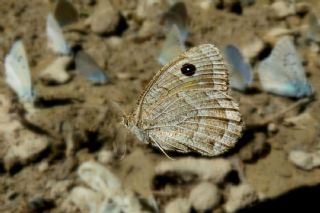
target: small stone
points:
(178, 205)
(24, 149)
(272, 128)
(147, 30)
(205, 4)
(252, 50)
(273, 35)
(282, 9)
(187, 169)
(105, 18)
(43, 166)
(105, 157)
(239, 197)
(204, 197)
(56, 72)
(305, 160)
(114, 42)
(293, 21)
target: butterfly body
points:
(186, 106)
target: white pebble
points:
(56, 71)
(105, 18)
(178, 205)
(239, 197)
(305, 160)
(204, 197)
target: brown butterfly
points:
(186, 107)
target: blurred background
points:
(70, 70)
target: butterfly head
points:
(128, 122)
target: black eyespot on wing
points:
(188, 69)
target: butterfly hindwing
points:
(241, 72)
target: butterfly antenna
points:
(161, 149)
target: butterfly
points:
(56, 40)
(172, 46)
(17, 72)
(282, 72)
(186, 107)
(177, 15)
(241, 71)
(87, 67)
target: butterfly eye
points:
(188, 69)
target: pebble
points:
(239, 197)
(105, 156)
(252, 50)
(56, 73)
(43, 166)
(105, 18)
(282, 9)
(273, 35)
(25, 148)
(214, 170)
(204, 197)
(305, 160)
(178, 205)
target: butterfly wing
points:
(172, 46)
(282, 72)
(177, 15)
(191, 112)
(18, 72)
(56, 40)
(241, 72)
(87, 67)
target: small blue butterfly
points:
(282, 72)
(17, 72)
(87, 67)
(241, 72)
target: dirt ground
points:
(129, 58)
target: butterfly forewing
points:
(190, 109)
(282, 72)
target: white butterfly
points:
(241, 71)
(177, 15)
(56, 40)
(172, 46)
(18, 72)
(282, 72)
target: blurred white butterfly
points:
(172, 46)
(241, 71)
(282, 72)
(87, 67)
(177, 15)
(17, 72)
(56, 40)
